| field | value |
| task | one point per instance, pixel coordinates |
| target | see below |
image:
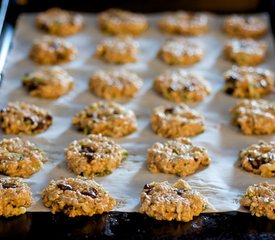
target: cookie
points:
(254, 117)
(15, 197)
(49, 83)
(259, 158)
(77, 197)
(120, 22)
(106, 118)
(56, 21)
(185, 23)
(181, 86)
(181, 52)
(20, 158)
(248, 82)
(245, 27)
(179, 202)
(176, 121)
(179, 157)
(119, 50)
(115, 84)
(50, 50)
(20, 117)
(260, 200)
(94, 155)
(245, 52)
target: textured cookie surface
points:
(184, 23)
(259, 158)
(76, 197)
(15, 197)
(106, 118)
(248, 82)
(20, 117)
(176, 121)
(49, 83)
(120, 22)
(260, 200)
(59, 22)
(179, 157)
(181, 86)
(179, 202)
(254, 116)
(51, 50)
(20, 158)
(181, 51)
(94, 155)
(114, 84)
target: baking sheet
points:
(223, 182)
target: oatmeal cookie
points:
(260, 200)
(259, 159)
(185, 23)
(59, 22)
(181, 51)
(20, 117)
(115, 84)
(119, 50)
(20, 158)
(179, 202)
(15, 197)
(49, 82)
(50, 50)
(179, 157)
(254, 116)
(245, 52)
(120, 22)
(177, 121)
(94, 155)
(248, 82)
(106, 118)
(180, 85)
(77, 197)
(245, 27)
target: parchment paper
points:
(223, 182)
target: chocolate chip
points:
(229, 90)
(49, 118)
(64, 186)
(29, 120)
(91, 193)
(147, 188)
(3, 110)
(169, 110)
(257, 162)
(9, 185)
(31, 85)
(88, 152)
(179, 191)
(40, 125)
(189, 88)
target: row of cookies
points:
(59, 22)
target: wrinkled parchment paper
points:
(223, 182)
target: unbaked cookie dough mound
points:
(20, 158)
(248, 82)
(260, 200)
(245, 52)
(177, 121)
(181, 51)
(15, 196)
(20, 117)
(181, 86)
(115, 84)
(259, 158)
(106, 118)
(94, 155)
(185, 23)
(179, 157)
(254, 117)
(118, 50)
(77, 197)
(121, 22)
(245, 27)
(56, 21)
(179, 202)
(48, 82)
(51, 50)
